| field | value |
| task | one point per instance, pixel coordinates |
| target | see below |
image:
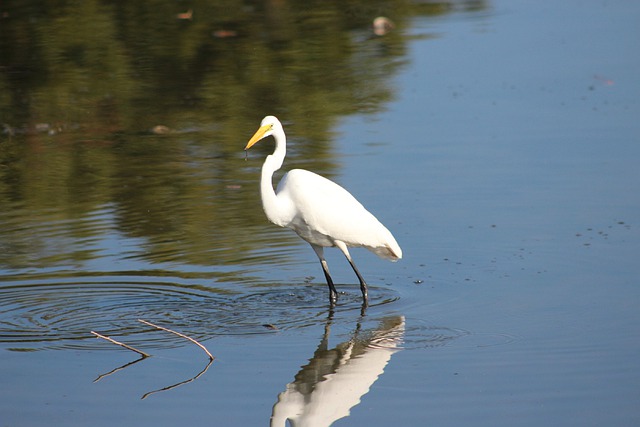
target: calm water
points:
(498, 141)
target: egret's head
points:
(268, 126)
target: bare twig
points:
(180, 383)
(180, 335)
(128, 347)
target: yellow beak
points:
(258, 136)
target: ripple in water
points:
(420, 335)
(61, 315)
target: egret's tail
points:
(390, 251)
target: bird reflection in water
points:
(335, 379)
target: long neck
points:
(275, 209)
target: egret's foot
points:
(365, 293)
(333, 297)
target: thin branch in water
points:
(128, 347)
(180, 335)
(113, 371)
(144, 396)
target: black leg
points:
(363, 284)
(333, 295)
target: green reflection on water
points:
(123, 118)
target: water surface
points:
(496, 140)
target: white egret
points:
(319, 210)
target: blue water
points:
(506, 167)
